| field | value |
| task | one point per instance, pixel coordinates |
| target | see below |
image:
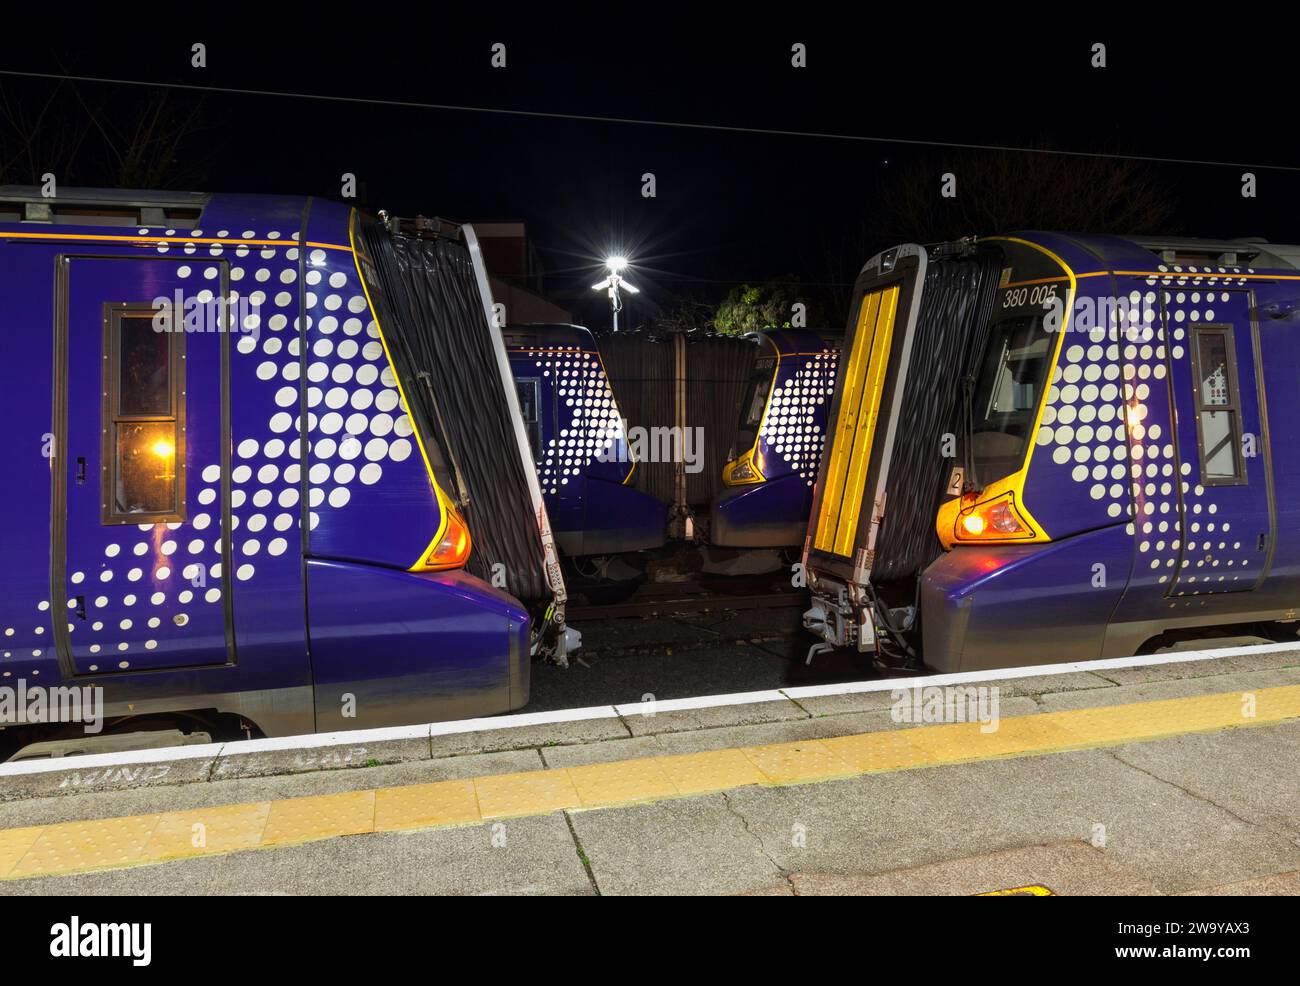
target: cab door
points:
(1226, 503)
(140, 554)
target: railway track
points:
(657, 599)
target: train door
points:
(139, 557)
(848, 502)
(1226, 506)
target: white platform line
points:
(360, 737)
(1034, 671)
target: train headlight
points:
(995, 519)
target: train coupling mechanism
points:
(839, 624)
(553, 640)
(555, 648)
(570, 642)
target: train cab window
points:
(143, 454)
(1007, 393)
(1218, 413)
(755, 403)
(529, 408)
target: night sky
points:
(730, 206)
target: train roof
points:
(526, 334)
(138, 208)
(1094, 252)
(790, 341)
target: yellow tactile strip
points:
(71, 847)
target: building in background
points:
(516, 274)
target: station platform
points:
(1175, 774)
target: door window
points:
(1218, 411)
(144, 436)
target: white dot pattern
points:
(587, 403)
(793, 428)
(1098, 426)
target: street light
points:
(614, 283)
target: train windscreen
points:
(1007, 393)
(757, 392)
(1011, 372)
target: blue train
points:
(779, 440)
(578, 439)
(240, 499)
(1055, 448)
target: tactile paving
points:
(320, 817)
(534, 792)
(625, 781)
(94, 845)
(425, 805)
(711, 770)
(803, 760)
(200, 831)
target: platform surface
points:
(1164, 779)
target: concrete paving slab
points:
(836, 705)
(883, 822)
(1154, 691)
(1232, 664)
(268, 763)
(1050, 683)
(74, 778)
(521, 856)
(1009, 688)
(616, 749)
(1063, 869)
(714, 718)
(686, 846)
(821, 727)
(1252, 773)
(877, 705)
(526, 737)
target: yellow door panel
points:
(855, 426)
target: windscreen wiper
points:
(968, 433)
(449, 453)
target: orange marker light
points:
(974, 524)
(452, 550)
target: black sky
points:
(730, 206)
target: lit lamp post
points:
(614, 283)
